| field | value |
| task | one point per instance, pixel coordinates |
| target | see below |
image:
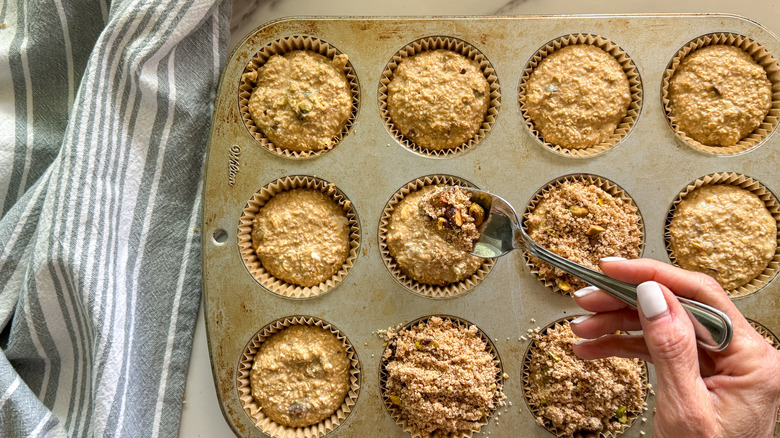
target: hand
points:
(700, 393)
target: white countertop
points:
(201, 416)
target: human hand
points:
(700, 393)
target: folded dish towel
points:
(104, 119)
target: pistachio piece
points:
(621, 415)
(593, 230)
(579, 211)
(394, 399)
(478, 213)
(601, 201)
(563, 285)
(441, 224)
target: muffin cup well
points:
(536, 411)
(280, 47)
(762, 57)
(253, 409)
(462, 48)
(746, 183)
(426, 290)
(600, 182)
(634, 82)
(395, 412)
(249, 256)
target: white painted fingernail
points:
(585, 291)
(612, 259)
(581, 341)
(651, 299)
(580, 319)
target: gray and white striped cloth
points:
(104, 119)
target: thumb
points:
(671, 342)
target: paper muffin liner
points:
(634, 82)
(280, 47)
(600, 182)
(537, 412)
(395, 412)
(762, 57)
(253, 409)
(249, 256)
(751, 185)
(427, 290)
(462, 48)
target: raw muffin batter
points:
(300, 375)
(438, 99)
(455, 217)
(301, 236)
(577, 96)
(441, 378)
(301, 100)
(718, 95)
(725, 232)
(576, 395)
(583, 223)
(418, 249)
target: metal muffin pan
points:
(369, 165)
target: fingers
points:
(593, 299)
(593, 326)
(671, 342)
(628, 346)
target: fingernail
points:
(612, 259)
(580, 319)
(651, 299)
(581, 341)
(585, 291)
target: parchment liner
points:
(762, 57)
(634, 84)
(395, 412)
(536, 412)
(426, 290)
(600, 182)
(280, 47)
(750, 185)
(455, 45)
(250, 258)
(251, 407)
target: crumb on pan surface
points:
(301, 236)
(718, 95)
(301, 99)
(583, 223)
(438, 99)
(577, 96)
(454, 216)
(442, 378)
(300, 375)
(418, 249)
(574, 395)
(724, 231)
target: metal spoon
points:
(500, 232)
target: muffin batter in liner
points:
(762, 57)
(249, 256)
(460, 47)
(536, 412)
(634, 83)
(600, 182)
(251, 407)
(431, 291)
(750, 185)
(395, 412)
(280, 47)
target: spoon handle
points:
(713, 327)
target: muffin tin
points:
(369, 165)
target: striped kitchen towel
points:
(104, 119)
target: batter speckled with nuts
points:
(718, 95)
(301, 99)
(438, 99)
(577, 96)
(724, 231)
(300, 375)
(301, 236)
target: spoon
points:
(500, 233)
